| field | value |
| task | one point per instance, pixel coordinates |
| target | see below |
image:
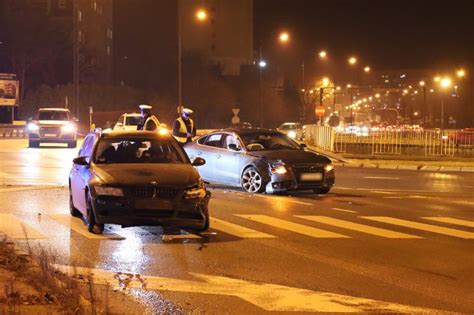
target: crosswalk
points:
(262, 227)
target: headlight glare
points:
(328, 168)
(108, 191)
(279, 169)
(32, 127)
(292, 134)
(68, 128)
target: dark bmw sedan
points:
(137, 178)
(261, 160)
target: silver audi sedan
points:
(261, 160)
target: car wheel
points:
(322, 190)
(73, 210)
(252, 181)
(33, 144)
(92, 225)
(72, 144)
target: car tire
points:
(73, 210)
(322, 190)
(72, 144)
(92, 225)
(33, 144)
(252, 181)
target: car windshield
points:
(287, 127)
(268, 141)
(145, 150)
(52, 115)
(132, 120)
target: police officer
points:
(184, 128)
(148, 121)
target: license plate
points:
(154, 204)
(311, 177)
(50, 135)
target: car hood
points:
(53, 122)
(176, 175)
(292, 156)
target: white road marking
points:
(451, 221)
(393, 197)
(357, 227)
(344, 210)
(78, 226)
(382, 177)
(13, 227)
(302, 202)
(423, 227)
(286, 199)
(267, 296)
(237, 230)
(384, 192)
(293, 227)
(2, 190)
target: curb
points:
(412, 167)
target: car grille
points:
(49, 130)
(154, 192)
(154, 213)
(308, 169)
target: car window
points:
(269, 141)
(84, 145)
(214, 140)
(133, 120)
(52, 115)
(202, 140)
(230, 139)
(139, 150)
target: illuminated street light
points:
(405, 92)
(349, 86)
(326, 81)
(262, 64)
(367, 69)
(415, 113)
(416, 92)
(201, 15)
(323, 54)
(352, 60)
(431, 90)
(284, 37)
(437, 78)
(445, 83)
(377, 95)
(461, 73)
(422, 83)
(338, 88)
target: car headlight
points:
(292, 134)
(163, 131)
(68, 127)
(32, 127)
(279, 169)
(196, 191)
(328, 168)
(108, 191)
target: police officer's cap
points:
(187, 111)
(144, 107)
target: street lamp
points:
(323, 54)
(284, 37)
(352, 60)
(201, 15)
(262, 63)
(461, 73)
(367, 69)
(444, 83)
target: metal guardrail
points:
(13, 132)
(433, 143)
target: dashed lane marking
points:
(358, 227)
(78, 226)
(293, 227)
(382, 177)
(237, 230)
(267, 296)
(344, 210)
(451, 221)
(423, 227)
(17, 228)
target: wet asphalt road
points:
(381, 240)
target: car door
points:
(227, 161)
(208, 150)
(79, 173)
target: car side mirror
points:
(233, 147)
(303, 146)
(81, 160)
(198, 161)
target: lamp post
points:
(261, 64)
(444, 83)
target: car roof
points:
(133, 114)
(133, 134)
(53, 108)
(246, 130)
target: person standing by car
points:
(184, 128)
(148, 121)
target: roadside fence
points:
(13, 132)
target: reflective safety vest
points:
(148, 125)
(182, 129)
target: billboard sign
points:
(9, 89)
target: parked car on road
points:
(292, 130)
(128, 122)
(261, 160)
(52, 125)
(137, 178)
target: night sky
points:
(384, 34)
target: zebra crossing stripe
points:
(451, 221)
(17, 229)
(237, 230)
(293, 227)
(423, 227)
(358, 227)
(78, 226)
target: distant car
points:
(261, 160)
(242, 125)
(52, 125)
(137, 178)
(128, 122)
(465, 136)
(292, 130)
